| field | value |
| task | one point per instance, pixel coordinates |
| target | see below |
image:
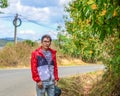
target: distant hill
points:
(11, 39)
(4, 41)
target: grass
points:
(18, 56)
(79, 85)
(68, 61)
(98, 83)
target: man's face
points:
(46, 43)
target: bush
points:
(16, 55)
(30, 43)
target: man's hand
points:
(56, 82)
(40, 85)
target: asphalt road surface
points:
(18, 82)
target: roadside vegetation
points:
(81, 84)
(92, 32)
(17, 55)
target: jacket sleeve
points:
(34, 70)
(55, 70)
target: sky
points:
(38, 17)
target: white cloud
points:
(5, 29)
(41, 14)
(2, 26)
(64, 2)
(46, 15)
(26, 32)
(53, 34)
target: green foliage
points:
(94, 27)
(112, 55)
(77, 43)
(66, 44)
(3, 42)
(30, 43)
(115, 61)
(101, 17)
(89, 23)
(4, 3)
(10, 44)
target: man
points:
(44, 68)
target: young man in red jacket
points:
(44, 68)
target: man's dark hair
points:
(46, 36)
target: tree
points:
(3, 3)
(94, 25)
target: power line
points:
(29, 20)
(36, 22)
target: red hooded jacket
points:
(34, 64)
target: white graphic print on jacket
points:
(45, 70)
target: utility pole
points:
(15, 23)
(15, 33)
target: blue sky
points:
(48, 14)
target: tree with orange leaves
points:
(96, 20)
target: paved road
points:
(18, 82)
